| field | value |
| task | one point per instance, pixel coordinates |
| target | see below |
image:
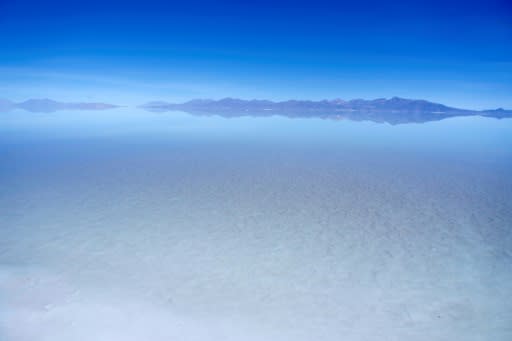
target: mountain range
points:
(395, 110)
(48, 105)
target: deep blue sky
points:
(127, 52)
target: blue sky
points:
(129, 52)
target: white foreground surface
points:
(184, 239)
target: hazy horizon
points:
(162, 100)
(56, 89)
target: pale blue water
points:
(129, 225)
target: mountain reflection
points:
(392, 118)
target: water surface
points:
(130, 225)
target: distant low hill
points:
(394, 110)
(48, 105)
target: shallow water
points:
(129, 225)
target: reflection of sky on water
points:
(456, 133)
(128, 225)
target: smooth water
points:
(130, 225)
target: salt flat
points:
(187, 228)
